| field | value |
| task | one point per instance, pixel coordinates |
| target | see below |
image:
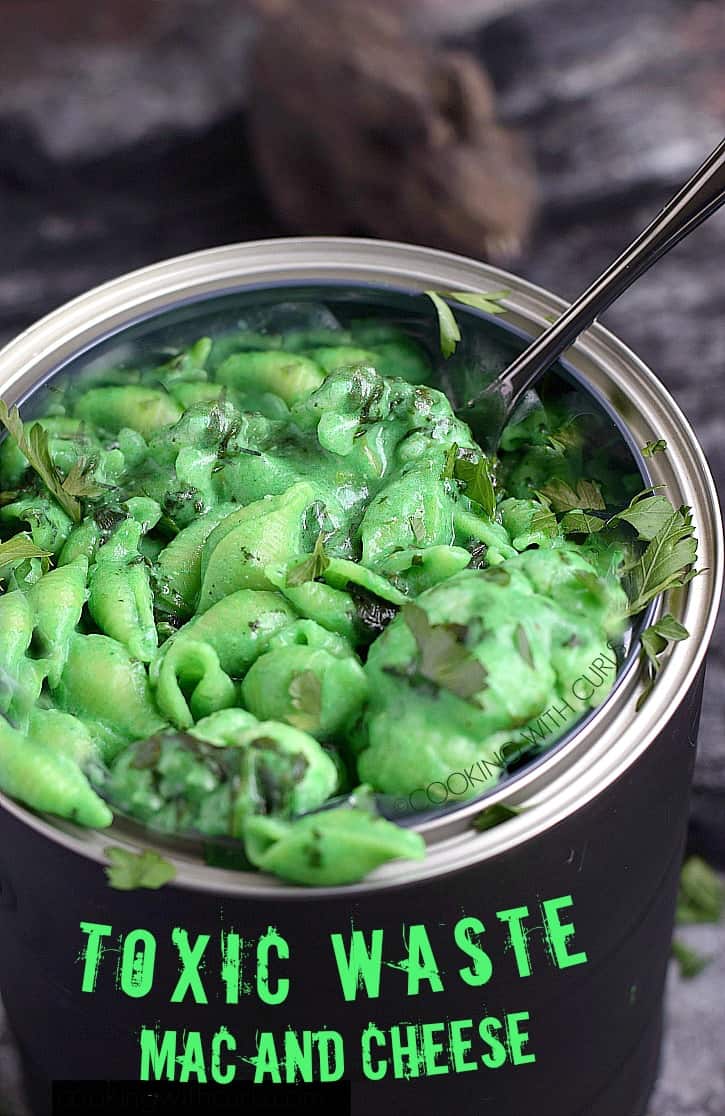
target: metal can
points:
(572, 900)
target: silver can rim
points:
(617, 735)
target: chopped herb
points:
(310, 568)
(449, 332)
(523, 645)
(443, 657)
(587, 496)
(34, 446)
(109, 518)
(494, 815)
(450, 463)
(543, 522)
(475, 476)
(691, 963)
(417, 526)
(666, 563)
(498, 575)
(651, 448)
(702, 894)
(655, 640)
(147, 753)
(591, 581)
(18, 548)
(305, 694)
(128, 871)
(80, 482)
(579, 523)
(478, 555)
(477, 482)
(565, 437)
(373, 613)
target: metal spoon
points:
(700, 197)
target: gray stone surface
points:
(11, 1094)
(100, 80)
(117, 153)
(692, 1078)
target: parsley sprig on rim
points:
(448, 328)
(127, 871)
(666, 562)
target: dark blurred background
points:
(539, 134)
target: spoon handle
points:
(701, 195)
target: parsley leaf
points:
(655, 640)
(34, 446)
(475, 476)
(651, 448)
(666, 563)
(477, 482)
(657, 636)
(80, 482)
(448, 329)
(443, 657)
(563, 498)
(647, 513)
(450, 462)
(543, 522)
(488, 301)
(691, 963)
(701, 896)
(566, 437)
(311, 567)
(128, 871)
(20, 547)
(579, 523)
(305, 694)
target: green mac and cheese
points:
(269, 573)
